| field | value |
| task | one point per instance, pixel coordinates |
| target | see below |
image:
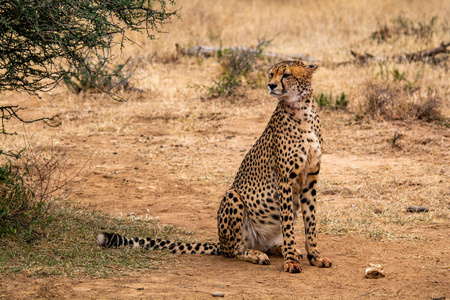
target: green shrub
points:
(21, 214)
(28, 185)
(326, 102)
(238, 66)
(420, 29)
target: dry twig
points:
(207, 51)
(425, 54)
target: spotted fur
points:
(276, 179)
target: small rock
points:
(417, 209)
(218, 294)
(374, 271)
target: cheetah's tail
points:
(114, 240)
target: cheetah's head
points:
(290, 81)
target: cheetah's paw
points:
(292, 266)
(319, 262)
(256, 257)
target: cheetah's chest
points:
(313, 154)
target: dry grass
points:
(66, 247)
(375, 203)
(398, 103)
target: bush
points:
(392, 95)
(99, 74)
(21, 214)
(27, 189)
(238, 65)
(392, 101)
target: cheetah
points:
(276, 179)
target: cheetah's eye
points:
(286, 75)
(270, 75)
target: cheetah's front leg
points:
(289, 249)
(308, 206)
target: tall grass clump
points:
(391, 95)
(403, 25)
(393, 102)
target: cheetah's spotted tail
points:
(114, 240)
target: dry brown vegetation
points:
(170, 152)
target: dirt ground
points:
(412, 271)
(168, 169)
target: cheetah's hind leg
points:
(230, 219)
(277, 250)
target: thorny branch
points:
(10, 112)
(207, 51)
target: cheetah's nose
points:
(272, 86)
